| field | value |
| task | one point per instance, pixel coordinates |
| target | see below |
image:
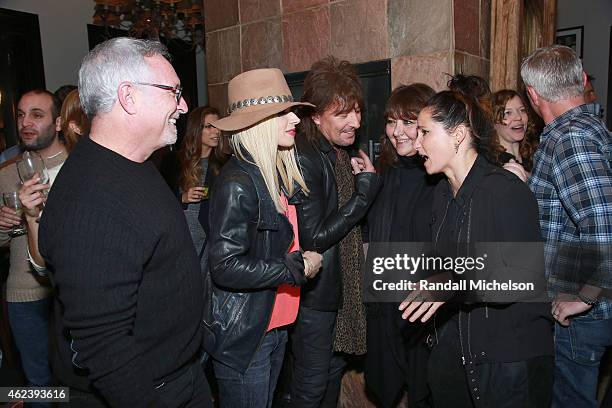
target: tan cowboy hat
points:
(254, 96)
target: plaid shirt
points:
(572, 182)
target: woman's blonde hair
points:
(261, 142)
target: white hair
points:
(109, 64)
(555, 73)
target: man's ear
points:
(584, 79)
(533, 96)
(316, 118)
(126, 95)
(58, 124)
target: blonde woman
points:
(255, 262)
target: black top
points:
(526, 162)
(493, 205)
(397, 353)
(125, 270)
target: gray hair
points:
(109, 64)
(555, 73)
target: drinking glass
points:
(31, 164)
(11, 200)
(205, 191)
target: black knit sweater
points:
(125, 270)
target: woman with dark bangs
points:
(201, 156)
(397, 353)
(514, 128)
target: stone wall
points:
(425, 39)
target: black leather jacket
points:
(322, 224)
(248, 260)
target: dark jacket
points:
(493, 205)
(247, 252)
(322, 224)
(397, 353)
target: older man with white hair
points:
(116, 240)
(572, 181)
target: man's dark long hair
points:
(330, 84)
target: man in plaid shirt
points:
(572, 181)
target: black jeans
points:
(520, 384)
(317, 370)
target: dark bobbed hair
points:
(330, 84)
(468, 103)
(63, 91)
(191, 149)
(405, 103)
(528, 145)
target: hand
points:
(563, 309)
(518, 169)
(193, 195)
(8, 218)
(32, 197)
(415, 306)
(312, 263)
(362, 163)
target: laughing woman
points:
(397, 352)
(514, 128)
(486, 354)
(255, 262)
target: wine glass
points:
(11, 200)
(32, 164)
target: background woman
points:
(514, 128)
(254, 255)
(486, 354)
(397, 353)
(201, 156)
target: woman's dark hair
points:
(528, 145)
(405, 103)
(468, 102)
(191, 149)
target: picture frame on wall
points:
(571, 37)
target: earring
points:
(456, 147)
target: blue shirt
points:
(10, 152)
(572, 182)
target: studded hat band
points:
(259, 101)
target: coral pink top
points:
(287, 301)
